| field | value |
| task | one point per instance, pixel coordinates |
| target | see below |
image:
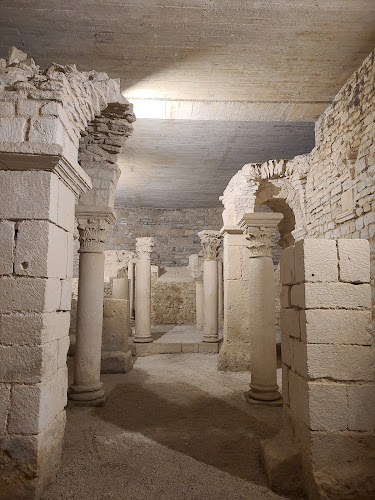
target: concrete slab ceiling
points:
(221, 82)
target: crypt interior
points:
(187, 250)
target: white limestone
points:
(142, 332)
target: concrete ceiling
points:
(219, 83)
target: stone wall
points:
(328, 364)
(173, 297)
(174, 231)
(329, 192)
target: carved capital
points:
(211, 242)
(258, 229)
(92, 235)
(144, 247)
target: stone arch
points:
(278, 183)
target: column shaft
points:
(87, 385)
(261, 307)
(131, 277)
(143, 301)
(210, 291)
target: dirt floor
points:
(174, 428)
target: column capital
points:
(211, 241)
(144, 247)
(258, 229)
(93, 224)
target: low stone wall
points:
(173, 297)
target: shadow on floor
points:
(191, 421)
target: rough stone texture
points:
(173, 296)
(328, 373)
(174, 231)
(116, 355)
(328, 193)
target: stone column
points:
(131, 277)
(144, 248)
(220, 290)
(210, 241)
(259, 229)
(196, 269)
(87, 388)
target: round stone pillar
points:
(87, 389)
(196, 270)
(142, 332)
(220, 291)
(131, 277)
(258, 230)
(211, 242)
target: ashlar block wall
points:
(328, 363)
(36, 249)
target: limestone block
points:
(4, 406)
(34, 406)
(66, 208)
(28, 107)
(354, 260)
(66, 295)
(287, 266)
(116, 362)
(340, 362)
(28, 195)
(236, 317)
(70, 256)
(62, 351)
(285, 296)
(208, 348)
(12, 129)
(289, 322)
(285, 383)
(190, 348)
(331, 326)
(329, 448)
(299, 356)
(328, 406)
(33, 329)
(46, 130)
(298, 397)
(361, 407)
(120, 288)
(6, 247)
(234, 357)
(232, 263)
(6, 109)
(27, 364)
(39, 455)
(41, 249)
(25, 295)
(285, 349)
(331, 295)
(316, 260)
(116, 325)
(281, 457)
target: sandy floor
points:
(172, 429)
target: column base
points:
(262, 402)
(142, 339)
(210, 339)
(82, 395)
(264, 394)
